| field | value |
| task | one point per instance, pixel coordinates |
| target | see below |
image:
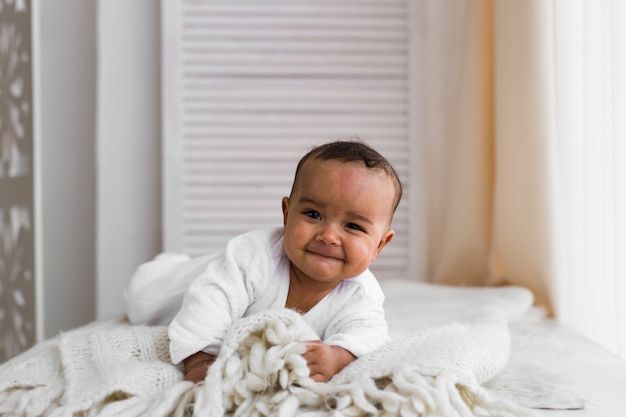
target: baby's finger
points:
(310, 348)
(312, 343)
(319, 378)
(311, 357)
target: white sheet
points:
(596, 374)
(583, 373)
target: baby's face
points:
(337, 220)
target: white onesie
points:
(250, 275)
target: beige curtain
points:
(490, 124)
(524, 105)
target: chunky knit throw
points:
(436, 372)
(116, 369)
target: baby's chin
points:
(326, 277)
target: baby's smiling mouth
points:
(326, 251)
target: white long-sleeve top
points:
(251, 275)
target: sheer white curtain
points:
(590, 49)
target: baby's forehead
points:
(334, 164)
(314, 164)
(311, 169)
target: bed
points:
(454, 352)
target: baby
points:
(336, 221)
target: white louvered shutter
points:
(250, 86)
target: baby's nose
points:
(328, 234)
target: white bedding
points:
(596, 374)
(545, 367)
(588, 380)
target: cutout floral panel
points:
(17, 288)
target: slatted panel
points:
(250, 86)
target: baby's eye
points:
(354, 226)
(312, 214)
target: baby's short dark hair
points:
(354, 151)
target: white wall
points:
(64, 81)
(128, 145)
(97, 114)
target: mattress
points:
(587, 380)
(547, 368)
(597, 375)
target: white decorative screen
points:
(250, 86)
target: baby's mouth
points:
(327, 251)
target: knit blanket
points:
(112, 368)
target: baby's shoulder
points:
(259, 238)
(256, 244)
(365, 284)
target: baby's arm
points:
(324, 361)
(219, 295)
(356, 327)
(197, 365)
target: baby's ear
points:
(386, 238)
(285, 204)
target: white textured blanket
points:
(436, 372)
(116, 369)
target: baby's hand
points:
(197, 365)
(324, 361)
